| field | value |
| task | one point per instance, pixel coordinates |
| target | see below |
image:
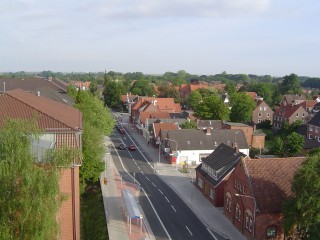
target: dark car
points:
(122, 146)
(122, 131)
(132, 147)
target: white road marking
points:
(148, 178)
(153, 184)
(173, 208)
(212, 234)
(155, 211)
(167, 199)
(189, 231)
(139, 168)
(160, 191)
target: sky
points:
(205, 37)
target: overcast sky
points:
(275, 37)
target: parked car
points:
(122, 146)
(132, 147)
(122, 131)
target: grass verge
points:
(93, 220)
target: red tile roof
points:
(51, 114)
(254, 95)
(194, 87)
(157, 127)
(288, 110)
(271, 180)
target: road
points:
(168, 215)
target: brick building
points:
(62, 126)
(254, 195)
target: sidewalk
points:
(182, 184)
(118, 228)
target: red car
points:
(132, 147)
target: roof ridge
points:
(8, 93)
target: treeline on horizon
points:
(176, 79)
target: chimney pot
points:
(208, 131)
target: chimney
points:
(208, 131)
(38, 93)
(235, 147)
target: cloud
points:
(180, 8)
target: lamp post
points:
(254, 213)
(176, 148)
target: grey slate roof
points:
(194, 139)
(222, 160)
(180, 115)
(214, 124)
(51, 89)
(167, 120)
(315, 121)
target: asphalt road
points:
(173, 218)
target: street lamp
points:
(255, 209)
(176, 149)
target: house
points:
(160, 104)
(191, 145)
(255, 138)
(81, 85)
(213, 124)
(158, 127)
(262, 112)
(254, 195)
(289, 113)
(128, 100)
(50, 88)
(308, 105)
(186, 89)
(313, 128)
(214, 170)
(292, 99)
(62, 126)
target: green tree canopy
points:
(212, 107)
(30, 194)
(302, 212)
(98, 122)
(189, 124)
(167, 91)
(194, 99)
(242, 107)
(112, 94)
(288, 145)
(291, 84)
(146, 89)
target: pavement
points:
(181, 183)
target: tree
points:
(291, 84)
(189, 124)
(30, 194)
(230, 88)
(242, 107)
(167, 91)
(194, 99)
(112, 94)
(288, 145)
(146, 89)
(212, 107)
(98, 122)
(302, 212)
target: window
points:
(302, 114)
(200, 182)
(237, 212)
(249, 221)
(265, 108)
(211, 193)
(310, 129)
(275, 117)
(316, 130)
(268, 114)
(259, 114)
(297, 115)
(260, 108)
(310, 136)
(228, 205)
(259, 120)
(271, 232)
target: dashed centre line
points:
(189, 231)
(167, 199)
(160, 191)
(173, 208)
(153, 184)
(148, 179)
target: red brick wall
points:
(265, 220)
(65, 213)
